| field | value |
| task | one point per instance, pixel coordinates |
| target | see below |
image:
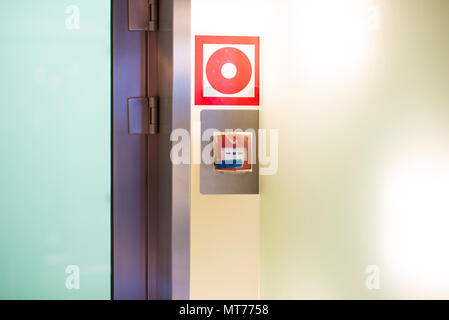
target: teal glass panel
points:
(55, 157)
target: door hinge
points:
(153, 105)
(154, 14)
(143, 15)
(143, 112)
(143, 115)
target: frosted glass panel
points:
(55, 149)
(358, 208)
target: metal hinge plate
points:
(143, 115)
(143, 15)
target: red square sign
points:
(227, 70)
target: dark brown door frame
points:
(151, 196)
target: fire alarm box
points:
(232, 152)
(229, 152)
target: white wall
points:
(225, 240)
(362, 110)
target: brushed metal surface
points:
(181, 173)
(138, 116)
(129, 197)
(174, 185)
(212, 182)
(151, 219)
(138, 15)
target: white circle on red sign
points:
(229, 70)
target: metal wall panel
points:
(129, 162)
(212, 182)
(174, 188)
(151, 195)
